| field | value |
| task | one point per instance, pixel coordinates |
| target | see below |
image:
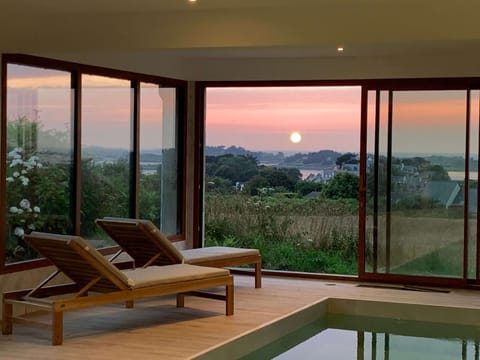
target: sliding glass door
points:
(421, 183)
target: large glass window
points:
(38, 156)
(159, 154)
(106, 145)
(83, 143)
(416, 188)
(282, 174)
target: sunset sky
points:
(256, 118)
(262, 118)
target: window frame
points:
(393, 84)
(76, 71)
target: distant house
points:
(352, 168)
(312, 195)
(444, 192)
(322, 176)
(472, 200)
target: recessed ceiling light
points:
(192, 1)
(340, 49)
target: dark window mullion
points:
(375, 179)
(134, 211)
(389, 183)
(76, 183)
(466, 188)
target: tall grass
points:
(315, 235)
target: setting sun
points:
(295, 137)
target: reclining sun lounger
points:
(146, 244)
(96, 281)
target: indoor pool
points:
(356, 337)
(357, 329)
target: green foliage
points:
(317, 235)
(347, 158)
(40, 194)
(105, 192)
(218, 185)
(236, 168)
(273, 179)
(304, 187)
(438, 173)
(343, 185)
(416, 202)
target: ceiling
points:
(190, 39)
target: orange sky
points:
(256, 118)
(263, 118)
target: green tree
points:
(344, 185)
(256, 184)
(304, 187)
(347, 158)
(236, 168)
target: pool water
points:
(357, 337)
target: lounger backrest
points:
(142, 240)
(77, 259)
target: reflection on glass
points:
(159, 157)
(282, 174)
(39, 156)
(421, 230)
(106, 144)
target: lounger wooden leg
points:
(229, 299)
(129, 304)
(180, 300)
(57, 328)
(258, 275)
(7, 322)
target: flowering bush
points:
(23, 214)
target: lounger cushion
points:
(194, 256)
(166, 274)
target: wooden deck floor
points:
(155, 329)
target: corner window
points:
(83, 143)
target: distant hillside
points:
(102, 153)
(261, 156)
(312, 160)
(99, 153)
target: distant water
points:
(454, 175)
(460, 175)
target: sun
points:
(295, 137)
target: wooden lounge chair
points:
(146, 244)
(96, 281)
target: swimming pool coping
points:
(245, 343)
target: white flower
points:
(19, 231)
(36, 209)
(39, 165)
(25, 180)
(25, 204)
(9, 179)
(19, 211)
(31, 227)
(16, 174)
(14, 209)
(24, 172)
(16, 162)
